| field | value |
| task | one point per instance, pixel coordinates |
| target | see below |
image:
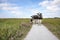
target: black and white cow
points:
(36, 18)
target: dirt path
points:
(40, 32)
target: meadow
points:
(14, 29)
(53, 24)
(17, 29)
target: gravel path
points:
(40, 32)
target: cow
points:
(37, 18)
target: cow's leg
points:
(40, 21)
(31, 21)
(34, 21)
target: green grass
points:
(15, 29)
(53, 25)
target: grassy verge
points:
(14, 29)
(53, 25)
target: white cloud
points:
(14, 10)
(51, 6)
(11, 8)
(34, 11)
(6, 4)
(44, 3)
(2, 1)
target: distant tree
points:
(56, 17)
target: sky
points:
(27, 8)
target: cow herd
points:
(36, 18)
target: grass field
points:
(53, 25)
(14, 29)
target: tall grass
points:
(12, 29)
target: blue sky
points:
(26, 8)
